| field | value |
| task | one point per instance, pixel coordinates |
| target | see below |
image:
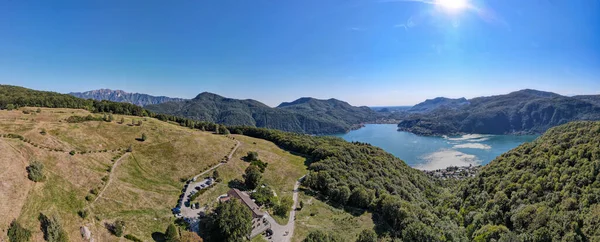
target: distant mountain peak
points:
(208, 95)
(533, 92)
(304, 100)
(139, 99)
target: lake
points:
(430, 153)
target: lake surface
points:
(430, 153)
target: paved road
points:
(279, 231)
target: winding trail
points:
(110, 176)
(237, 145)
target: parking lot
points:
(185, 205)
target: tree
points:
(217, 128)
(35, 171)
(360, 198)
(263, 196)
(216, 175)
(110, 117)
(144, 137)
(117, 228)
(283, 208)
(10, 106)
(223, 130)
(53, 230)
(367, 235)
(230, 222)
(252, 177)
(16, 232)
(129, 149)
(139, 123)
(38, 110)
(171, 235)
(122, 120)
(251, 156)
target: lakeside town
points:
(454, 172)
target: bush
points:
(53, 230)
(132, 238)
(16, 233)
(83, 213)
(35, 171)
(251, 156)
(72, 152)
(144, 137)
(117, 228)
(43, 132)
(89, 197)
(283, 208)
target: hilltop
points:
(126, 97)
(525, 111)
(305, 115)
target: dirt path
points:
(110, 176)
(237, 145)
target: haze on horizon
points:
(373, 53)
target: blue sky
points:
(380, 52)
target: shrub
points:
(72, 152)
(144, 137)
(129, 149)
(83, 213)
(16, 233)
(35, 171)
(117, 228)
(53, 230)
(89, 197)
(132, 238)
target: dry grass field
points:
(145, 184)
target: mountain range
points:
(305, 115)
(524, 111)
(126, 97)
(520, 112)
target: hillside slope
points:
(525, 111)
(126, 97)
(330, 109)
(214, 108)
(439, 102)
(547, 190)
(145, 183)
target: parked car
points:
(198, 188)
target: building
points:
(259, 220)
(246, 200)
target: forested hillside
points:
(407, 203)
(547, 190)
(525, 111)
(126, 97)
(331, 109)
(316, 117)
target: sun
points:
(452, 4)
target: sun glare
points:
(452, 4)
